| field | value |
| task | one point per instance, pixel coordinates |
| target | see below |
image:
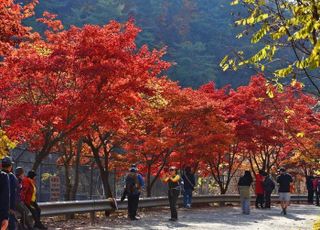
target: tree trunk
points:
(103, 174)
(76, 171)
(38, 159)
(68, 184)
(223, 190)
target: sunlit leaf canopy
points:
(287, 36)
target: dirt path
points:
(300, 217)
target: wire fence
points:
(51, 182)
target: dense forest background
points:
(198, 33)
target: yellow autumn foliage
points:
(5, 144)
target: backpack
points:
(268, 184)
(318, 185)
(181, 185)
(185, 176)
(131, 185)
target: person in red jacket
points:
(259, 189)
(29, 191)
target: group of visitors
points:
(264, 186)
(18, 193)
(18, 196)
(176, 185)
(313, 187)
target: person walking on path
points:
(259, 189)
(13, 186)
(4, 200)
(173, 181)
(141, 184)
(29, 191)
(132, 191)
(309, 185)
(189, 184)
(268, 186)
(316, 188)
(26, 221)
(244, 190)
(284, 180)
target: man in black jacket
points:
(132, 191)
(13, 186)
(189, 184)
(4, 200)
(309, 185)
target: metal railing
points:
(108, 205)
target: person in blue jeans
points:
(244, 189)
(189, 184)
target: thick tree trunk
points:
(103, 173)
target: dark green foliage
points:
(198, 33)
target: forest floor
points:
(299, 217)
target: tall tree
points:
(54, 82)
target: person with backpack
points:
(174, 189)
(268, 186)
(309, 185)
(140, 177)
(244, 190)
(284, 180)
(189, 184)
(132, 191)
(316, 188)
(4, 200)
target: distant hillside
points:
(198, 33)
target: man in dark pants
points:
(268, 185)
(309, 185)
(189, 184)
(13, 184)
(132, 190)
(4, 200)
(316, 188)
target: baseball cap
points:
(7, 161)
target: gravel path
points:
(300, 217)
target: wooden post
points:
(92, 218)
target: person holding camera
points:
(173, 181)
